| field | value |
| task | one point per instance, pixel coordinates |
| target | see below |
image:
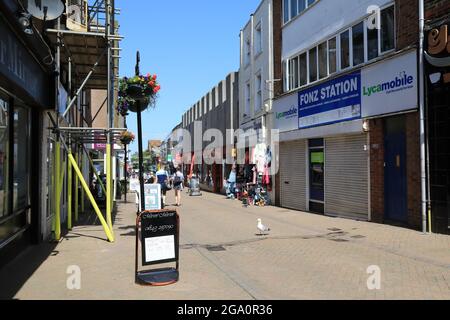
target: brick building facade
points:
(437, 81)
(407, 37)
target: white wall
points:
(262, 63)
(322, 20)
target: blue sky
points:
(190, 45)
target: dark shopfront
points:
(438, 103)
(24, 92)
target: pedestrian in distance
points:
(178, 179)
(162, 178)
(231, 183)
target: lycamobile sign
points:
(390, 86)
(293, 112)
(402, 82)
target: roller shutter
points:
(293, 175)
(346, 177)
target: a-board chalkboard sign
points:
(159, 237)
(159, 234)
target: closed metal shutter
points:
(346, 177)
(293, 175)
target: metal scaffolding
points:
(86, 44)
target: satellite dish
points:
(45, 9)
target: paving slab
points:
(222, 257)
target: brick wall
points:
(413, 170)
(407, 17)
(436, 8)
(377, 169)
(412, 167)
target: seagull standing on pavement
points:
(262, 228)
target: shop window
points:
(247, 100)
(258, 100)
(313, 64)
(21, 190)
(294, 73)
(372, 43)
(345, 49)
(332, 56)
(323, 60)
(387, 29)
(4, 137)
(14, 167)
(294, 8)
(258, 39)
(286, 10)
(303, 69)
(351, 48)
(247, 52)
(358, 44)
(301, 6)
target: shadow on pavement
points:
(15, 274)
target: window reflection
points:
(3, 157)
(21, 158)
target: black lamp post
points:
(141, 153)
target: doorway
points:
(316, 176)
(395, 188)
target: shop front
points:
(254, 156)
(24, 92)
(438, 105)
(325, 137)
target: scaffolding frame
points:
(91, 59)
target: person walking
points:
(232, 183)
(178, 179)
(162, 178)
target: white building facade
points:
(256, 81)
(348, 116)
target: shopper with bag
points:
(178, 179)
(162, 178)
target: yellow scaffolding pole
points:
(82, 190)
(107, 229)
(430, 230)
(108, 187)
(76, 191)
(57, 194)
(69, 196)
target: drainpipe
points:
(423, 141)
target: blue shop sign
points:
(331, 102)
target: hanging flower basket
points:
(127, 137)
(139, 91)
(123, 106)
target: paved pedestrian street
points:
(222, 257)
